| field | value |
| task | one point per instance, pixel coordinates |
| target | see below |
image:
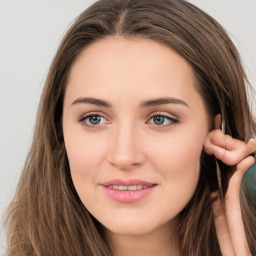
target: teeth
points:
(122, 187)
(133, 187)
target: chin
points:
(134, 230)
(135, 227)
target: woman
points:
(123, 160)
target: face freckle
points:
(133, 116)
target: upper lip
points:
(130, 182)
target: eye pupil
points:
(158, 120)
(94, 119)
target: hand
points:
(228, 216)
(230, 151)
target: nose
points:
(126, 151)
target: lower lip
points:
(128, 196)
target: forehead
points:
(126, 62)
(116, 67)
(126, 73)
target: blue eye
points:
(162, 120)
(93, 120)
(158, 120)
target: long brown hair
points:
(46, 216)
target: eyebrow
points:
(147, 103)
(163, 101)
(93, 101)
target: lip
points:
(128, 196)
(130, 182)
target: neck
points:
(161, 242)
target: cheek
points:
(177, 151)
(178, 161)
(179, 166)
(85, 155)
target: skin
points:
(129, 144)
(228, 217)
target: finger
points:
(233, 209)
(228, 150)
(240, 150)
(251, 146)
(214, 138)
(216, 143)
(221, 226)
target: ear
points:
(217, 122)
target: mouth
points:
(130, 188)
(129, 191)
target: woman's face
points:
(134, 127)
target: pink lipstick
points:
(129, 191)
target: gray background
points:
(30, 32)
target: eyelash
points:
(171, 120)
